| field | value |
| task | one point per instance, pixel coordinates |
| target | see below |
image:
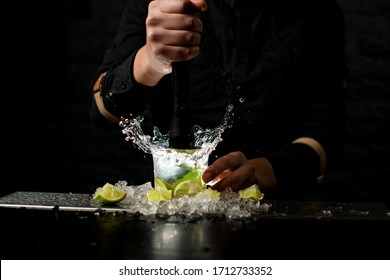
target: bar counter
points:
(68, 226)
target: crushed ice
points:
(230, 203)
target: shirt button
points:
(238, 88)
(123, 85)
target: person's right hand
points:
(173, 32)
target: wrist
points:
(146, 71)
(265, 175)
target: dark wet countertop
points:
(69, 226)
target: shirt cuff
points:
(296, 166)
(122, 95)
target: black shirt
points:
(280, 62)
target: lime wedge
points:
(109, 194)
(162, 191)
(187, 187)
(161, 184)
(214, 194)
(194, 175)
(159, 194)
(252, 192)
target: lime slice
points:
(109, 194)
(188, 187)
(182, 151)
(161, 184)
(162, 191)
(159, 194)
(214, 194)
(194, 175)
(252, 192)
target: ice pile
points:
(230, 203)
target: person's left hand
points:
(235, 171)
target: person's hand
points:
(235, 171)
(173, 31)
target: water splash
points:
(206, 140)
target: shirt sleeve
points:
(325, 121)
(122, 96)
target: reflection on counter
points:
(66, 226)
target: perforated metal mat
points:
(276, 209)
(49, 201)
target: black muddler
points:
(181, 133)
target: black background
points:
(52, 50)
